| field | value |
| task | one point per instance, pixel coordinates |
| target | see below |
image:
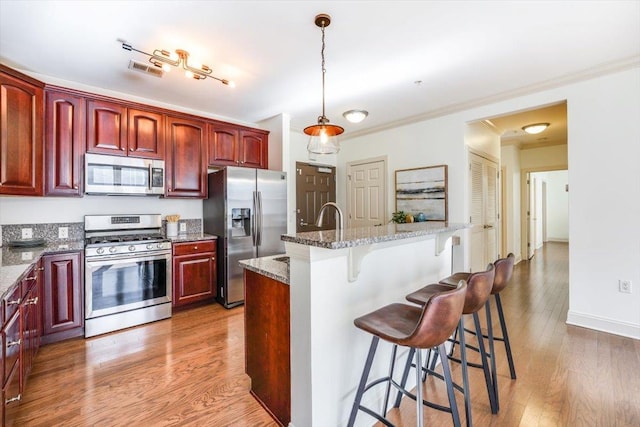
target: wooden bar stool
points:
(418, 328)
(479, 288)
(504, 271)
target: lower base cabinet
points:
(267, 343)
(194, 272)
(63, 297)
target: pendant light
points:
(323, 136)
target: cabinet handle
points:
(31, 278)
(13, 302)
(41, 269)
(13, 343)
(32, 301)
(13, 399)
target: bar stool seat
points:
(418, 328)
(504, 271)
(479, 287)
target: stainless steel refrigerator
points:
(247, 210)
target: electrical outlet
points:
(63, 232)
(183, 227)
(624, 286)
(27, 233)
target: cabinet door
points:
(194, 278)
(21, 117)
(186, 159)
(106, 128)
(146, 134)
(30, 331)
(64, 142)
(253, 149)
(223, 145)
(63, 301)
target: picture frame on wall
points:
(422, 193)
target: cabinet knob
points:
(123, 149)
(75, 187)
(213, 258)
(195, 247)
(130, 149)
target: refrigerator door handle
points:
(259, 219)
(254, 219)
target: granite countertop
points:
(191, 237)
(275, 267)
(14, 262)
(360, 236)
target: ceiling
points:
(463, 53)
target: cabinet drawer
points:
(10, 345)
(11, 302)
(194, 247)
(11, 397)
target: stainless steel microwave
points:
(115, 175)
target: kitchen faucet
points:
(340, 216)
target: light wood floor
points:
(189, 370)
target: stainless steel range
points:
(127, 272)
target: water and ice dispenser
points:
(240, 222)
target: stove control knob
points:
(100, 250)
(113, 249)
(149, 245)
(132, 248)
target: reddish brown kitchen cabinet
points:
(31, 330)
(236, 146)
(63, 296)
(64, 142)
(21, 134)
(113, 128)
(186, 158)
(194, 272)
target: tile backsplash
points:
(50, 232)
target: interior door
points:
(367, 193)
(315, 186)
(531, 216)
(484, 217)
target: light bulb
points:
(166, 68)
(323, 136)
(188, 74)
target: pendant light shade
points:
(323, 137)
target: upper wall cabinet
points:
(235, 146)
(21, 135)
(113, 128)
(186, 158)
(64, 142)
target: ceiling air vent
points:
(144, 68)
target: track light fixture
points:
(164, 59)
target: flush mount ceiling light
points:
(323, 136)
(164, 59)
(535, 128)
(355, 116)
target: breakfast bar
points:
(335, 277)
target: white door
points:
(367, 194)
(484, 219)
(531, 215)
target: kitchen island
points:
(335, 277)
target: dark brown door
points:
(106, 128)
(65, 143)
(146, 134)
(186, 159)
(315, 186)
(21, 105)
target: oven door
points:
(116, 284)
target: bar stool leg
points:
(363, 380)
(405, 375)
(419, 408)
(505, 336)
(492, 354)
(465, 374)
(446, 370)
(392, 364)
(485, 367)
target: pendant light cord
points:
(323, 72)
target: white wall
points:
(557, 205)
(603, 175)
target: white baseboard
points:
(552, 239)
(616, 327)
